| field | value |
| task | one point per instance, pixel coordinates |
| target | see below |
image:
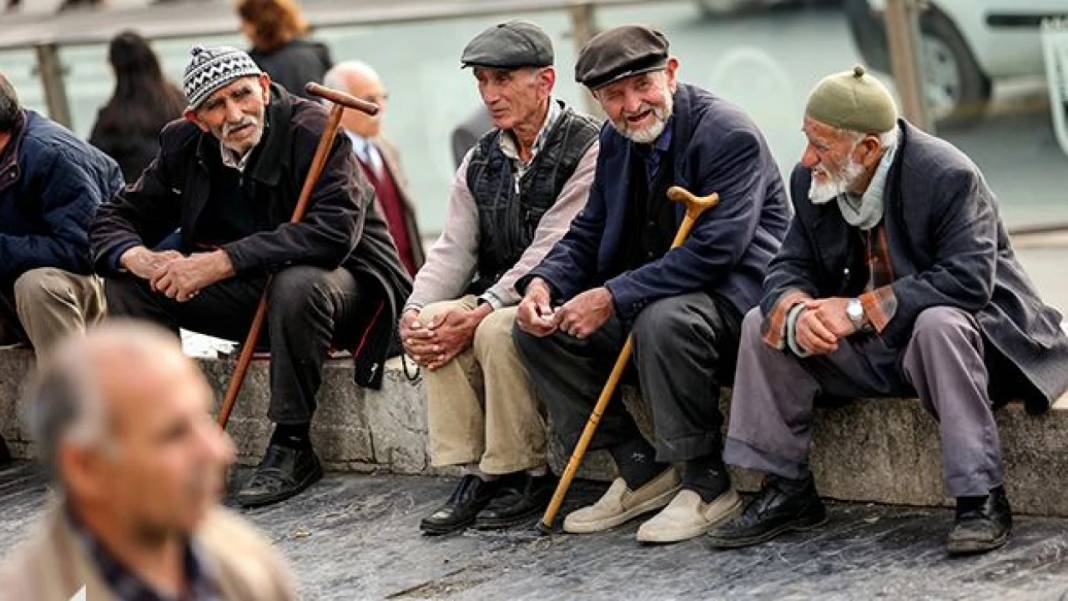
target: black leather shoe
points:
(283, 473)
(5, 455)
(469, 497)
(780, 506)
(981, 525)
(519, 498)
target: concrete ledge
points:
(884, 450)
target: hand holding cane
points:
(695, 206)
(341, 101)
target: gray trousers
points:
(684, 346)
(308, 309)
(771, 412)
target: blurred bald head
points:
(123, 418)
(362, 81)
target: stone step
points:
(883, 450)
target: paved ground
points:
(355, 537)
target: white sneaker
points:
(619, 504)
(687, 516)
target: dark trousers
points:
(684, 346)
(309, 309)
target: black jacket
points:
(339, 229)
(295, 64)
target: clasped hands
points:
(822, 324)
(579, 317)
(175, 275)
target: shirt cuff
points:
(491, 299)
(791, 330)
(880, 305)
(774, 328)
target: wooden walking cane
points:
(341, 101)
(694, 207)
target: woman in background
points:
(127, 127)
(276, 29)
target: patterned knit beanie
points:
(212, 68)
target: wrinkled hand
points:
(535, 312)
(448, 334)
(822, 325)
(144, 263)
(586, 313)
(414, 336)
(183, 278)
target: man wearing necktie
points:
(378, 159)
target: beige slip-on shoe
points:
(620, 504)
(688, 516)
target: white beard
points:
(648, 135)
(835, 185)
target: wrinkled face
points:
(839, 160)
(235, 113)
(514, 97)
(371, 90)
(164, 462)
(640, 106)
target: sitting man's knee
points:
(937, 321)
(495, 330)
(43, 285)
(753, 323)
(434, 310)
(295, 287)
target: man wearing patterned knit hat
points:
(896, 278)
(228, 176)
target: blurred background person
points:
(379, 159)
(127, 127)
(277, 29)
(122, 421)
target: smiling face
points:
(840, 161)
(515, 96)
(235, 113)
(639, 106)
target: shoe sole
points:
(609, 523)
(312, 478)
(974, 547)
(736, 543)
(734, 509)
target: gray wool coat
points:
(948, 247)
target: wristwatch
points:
(855, 313)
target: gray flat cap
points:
(509, 45)
(621, 52)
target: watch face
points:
(854, 310)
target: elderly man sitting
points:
(121, 418)
(229, 176)
(614, 271)
(896, 278)
(512, 199)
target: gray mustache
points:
(230, 127)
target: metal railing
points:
(49, 66)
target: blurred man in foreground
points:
(122, 421)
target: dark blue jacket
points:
(717, 148)
(50, 185)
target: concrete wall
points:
(883, 450)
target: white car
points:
(966, 45)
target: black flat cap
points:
(620, 52)
(509, 45)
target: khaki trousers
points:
(47, 304)
(481, 405)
